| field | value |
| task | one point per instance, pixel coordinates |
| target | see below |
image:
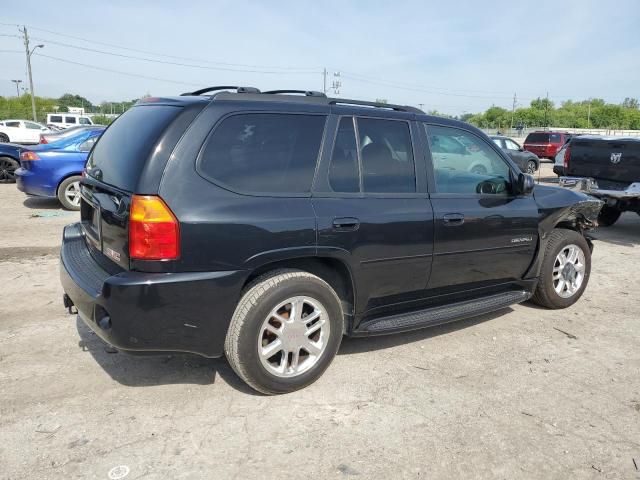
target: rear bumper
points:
(590, 186)
(162, 312)
(32, 184)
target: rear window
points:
(264, 152)
(537, 138)
(124, 148)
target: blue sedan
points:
(55, 169)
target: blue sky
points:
(453, 56)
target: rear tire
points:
(8, 167)
(608, 216)
(269, 343)
(556, 274)
(69, 193)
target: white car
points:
(21, 131)
(66, 120)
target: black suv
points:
(267, 225)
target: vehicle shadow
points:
(625, 232)
(42, 203)
(351, 345)
(157, 369)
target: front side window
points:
(498, 142)
(84, 121)
(472, 169)
(87, 144)
(70, 119)
(32, 126)
(387, 156)
(511, 145)
(264, 152)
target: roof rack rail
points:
(222, 87)
(390, 106)
(307, 93)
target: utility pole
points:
(421, 105)
(589, 115)
(17, 82)
(29, 53)
(324, 81)
(336, 84)
(546, 107)
(513, 111)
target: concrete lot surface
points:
(522, 393)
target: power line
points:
(314, 69)
(165, 62)
(95, 67)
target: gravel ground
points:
(522, 393)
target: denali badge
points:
(616, 157)
(113, 254)
(521, 239)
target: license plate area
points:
(90, 216)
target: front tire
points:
(608, 216)
(565, 270)
(285, 331)
(4, 138)
(69, 193)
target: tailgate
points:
(104, 212)
(609, 159)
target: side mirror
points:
(521, 149)
(525, 184)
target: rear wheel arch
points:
(68, 175)
(333, 271)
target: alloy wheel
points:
(72, 193)
(293, 336)
(568, 271)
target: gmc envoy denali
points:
(266, 225)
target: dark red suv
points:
(545, 144)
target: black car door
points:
(372, 209)
(485, 234)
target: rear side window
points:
(70, 119)
(387, 156)
(264, 152)
(12, 124)
(55, 119)
(556, 138)
(125, 146)
(537, 138)
(344, 176)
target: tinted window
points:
(497, 141)
(70, 119)
(264, 152)
(386, 155)
(124, 148)
(556, 138)
(12, 124)
(32, 126)
(477, 169)
(537, 138)
(84, 121)
(55, 119)
(343, 171)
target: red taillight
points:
(154, 233)
(28, 156)
(43, 140)
(567, 158)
